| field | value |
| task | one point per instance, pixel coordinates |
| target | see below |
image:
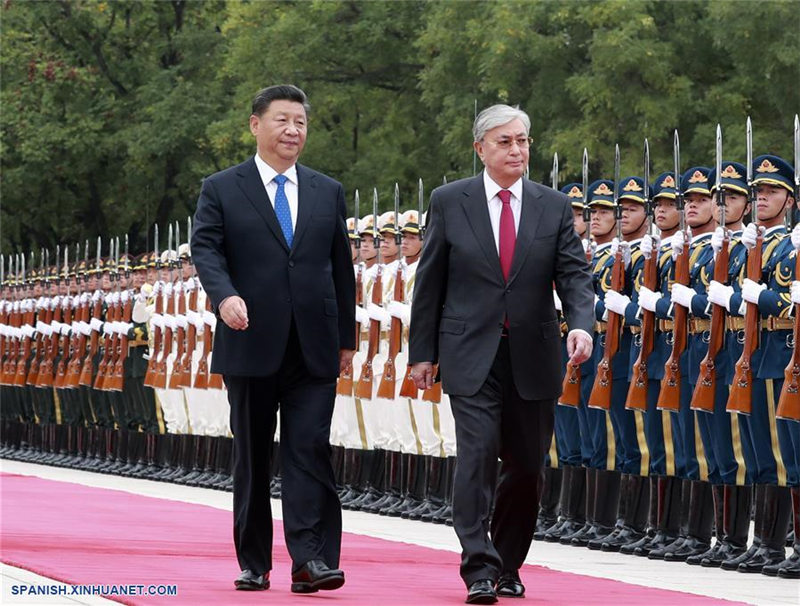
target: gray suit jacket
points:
(461, 298)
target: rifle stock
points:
(637, 392)
(387, 386)
(88, 362)
(600, 396)
(740, 396)
(365, 381)
(789, 401)
(669, 398)
(703, 396)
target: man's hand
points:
(422, 374)
(345, 358)
(579, 347)
(234, 313)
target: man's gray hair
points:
(495, 116)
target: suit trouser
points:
(312, 518)
(498, 422)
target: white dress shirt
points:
(268, 173)
(496, 204)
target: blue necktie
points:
(282, 209)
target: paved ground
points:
(755, 589)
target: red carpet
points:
(82, 535)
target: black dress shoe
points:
(509, 586)
(250, 581)
(481, 592)
(315, 575)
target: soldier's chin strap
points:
(783, 208)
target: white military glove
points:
(376, 312)
(648, 299)
(585, 244)
(749, 235)
(557, 301)
(796, 236)
(751, 290)
(717, 238)
(617, 302)
(646, 246)
(125, 295)
(96, 324)
(362, 317)
(626, 251)
(682, 295)
(678, 240)
(210, 319)
(400, 310)
(796, 292)
(720, 294)
(182, 322)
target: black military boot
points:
(434, 489)
(657, 553)
(718, 497)
(372, 491)
(414, 469)
(352, 473)
(588, 508)
(548, 504)
(736, 507)
(777, 514)
(395, 485)
(700, 519)
(606, 507)
(571, 504)
(668, 505)
(637, 499)
(732, 563)
(445, 514)
(790, 567)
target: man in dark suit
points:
(483, 310)
(272, 252)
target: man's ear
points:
(478, 147)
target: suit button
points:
(291, 263)
(508, 291)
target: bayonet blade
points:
(169, 243)
(718, 164)
(616, 173)
(155, 243)
(648, 207)
(126, 254)
(397, 213)
(554, 176)
(749, 130)
(420, 204)
(585, 176)
(57, 261)
(375, 212)
(356, 203)
(99, 248)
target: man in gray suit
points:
(483, 310)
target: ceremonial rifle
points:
(52, 313)
(94, 337)
(669, 398)
(33, 372)
(66, 318)
(637, 392)
(74, 370)
(344, 386)
(386, 388)
(600, 397)
(180, 332)
(703, 397)
(10, 365)
(118, 377)
(111, 316)
(160, 379)
(191, 311)
(365, 381)
(149, 376)
(571, 386)
(408, 389)
(4, 314)
(25, 341)
(789, 401)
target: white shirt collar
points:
(268, 173)
(493, 188)
(772, 230)
(700, 237)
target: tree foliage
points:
(112, 112)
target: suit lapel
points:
(532, 208)
(306, 202)
(477, 211)
(253, 188)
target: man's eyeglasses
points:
(522, 142)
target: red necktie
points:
(508, 235)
